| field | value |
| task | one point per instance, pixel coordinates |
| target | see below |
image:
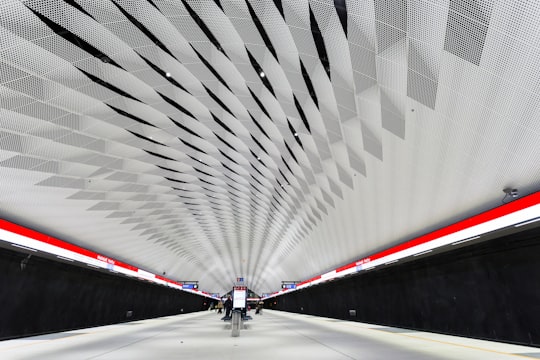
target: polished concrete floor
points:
(273, 335)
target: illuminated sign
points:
(239, 296)
(288, 286)
(190, 286)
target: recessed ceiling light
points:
(262, 74)
(295, 134)
(168, 74)
(527, 222)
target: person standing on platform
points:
(219, 307)
(228, 306)
(260, 306)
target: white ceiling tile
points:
(424, 99)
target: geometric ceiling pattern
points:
(272, 140)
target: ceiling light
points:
(64, 258)
(258, 158)
(168, 74)
(262, 74)
(423, 252)
(295, 134)
(527, 222)
(24, 247)
(465, 240)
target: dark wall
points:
(489, 291)
(49, 296)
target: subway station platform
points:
(273, 335)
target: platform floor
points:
(273, 335)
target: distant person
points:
(228, 306)
(260, 306)
(219, 307)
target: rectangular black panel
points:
(488, 291)
(41, 296)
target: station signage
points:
(239, 297)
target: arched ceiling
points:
(273, 140)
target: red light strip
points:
(525, 209)
(19, 235)
(498, 212)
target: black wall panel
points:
(489, 290)
(49, 296)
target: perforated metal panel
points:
(211, 142)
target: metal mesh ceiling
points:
(273, 140)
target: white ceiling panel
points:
(144, 130)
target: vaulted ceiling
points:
(273, 140)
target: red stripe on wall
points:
(345, 267)
(21, 230)
(495, 213)
(516, 205)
